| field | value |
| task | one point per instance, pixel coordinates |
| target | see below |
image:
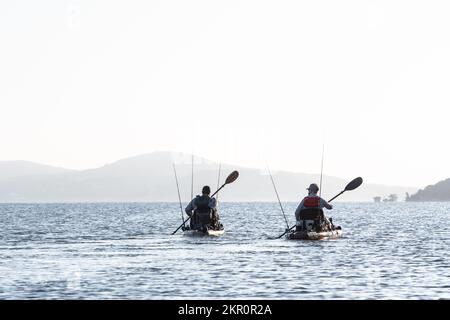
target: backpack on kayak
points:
(203, 211)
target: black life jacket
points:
(201, 204)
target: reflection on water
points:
(117, 251)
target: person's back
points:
(309, 214)
(201, 210)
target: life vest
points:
(201, 204)
(311, 202)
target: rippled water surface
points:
(125, 251)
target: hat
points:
(313, 187)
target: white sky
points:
(84, 83)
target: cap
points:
(313, 187)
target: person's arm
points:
(212, 203)
(189, 208)
(297, 211)
(325, 204)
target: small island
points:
(438, 192)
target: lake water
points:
(125, 251)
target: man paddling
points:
(202, 210)
(310, 210)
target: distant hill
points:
(150, 177)
(438, 192)
(12, 169)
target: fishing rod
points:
(179, 196)
(278, 197)
(192, 176)
(321, 171)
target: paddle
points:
(352, 185)
(230, 179)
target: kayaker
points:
(312, 201)
(202, 210)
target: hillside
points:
(12, 169)
(438, 192)
(150, 177)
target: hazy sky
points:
(84, 83)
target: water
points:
(125, 251)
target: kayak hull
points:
(199, 233)
(305, 235)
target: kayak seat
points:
(202, 219)
(312, 214)
(311, 219)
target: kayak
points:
(201, 233)
(312, 235)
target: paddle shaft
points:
(337, 195)
(184, 221)
(218, 182)
(218, 190)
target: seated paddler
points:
(309, 214)
(202, 210)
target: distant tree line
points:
(437, 192)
